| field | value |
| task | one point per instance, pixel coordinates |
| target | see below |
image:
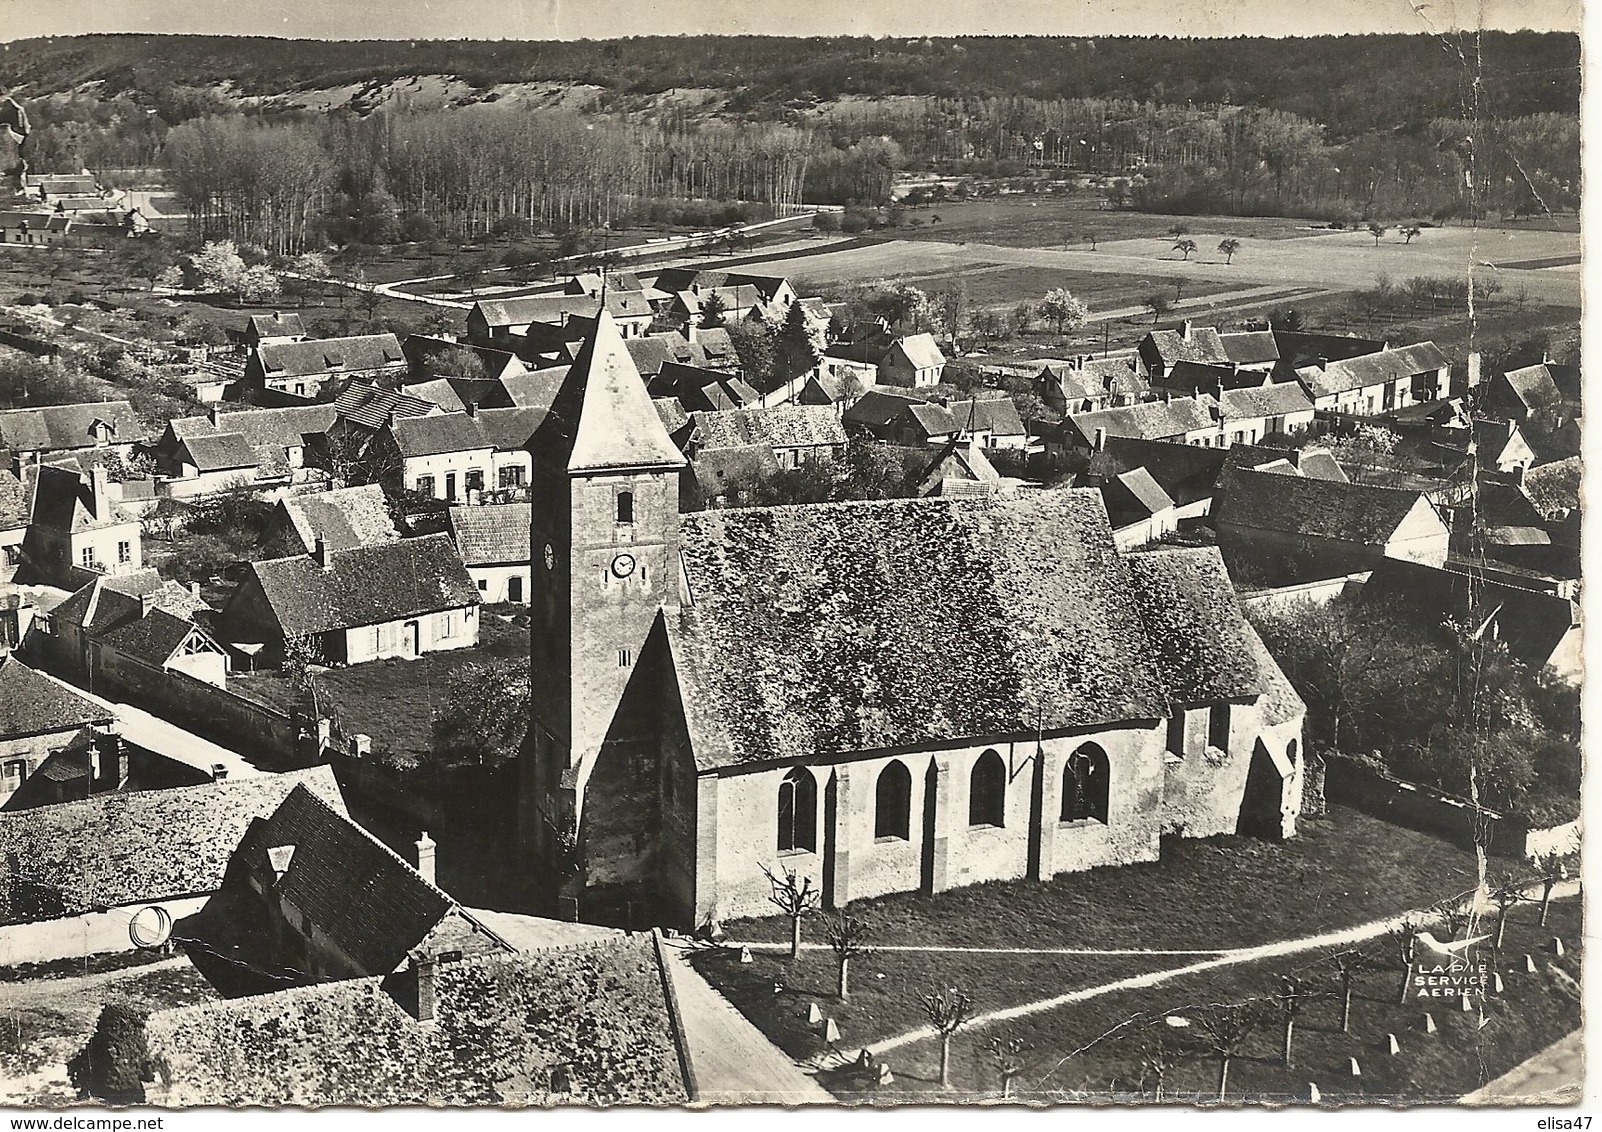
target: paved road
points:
(1553, 1076)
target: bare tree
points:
(948, 1011)
(847, 936)
(1454, 917)
(1404, 945)
(1007, 1054)
(1226, 1027)
(1551, 867)
(1409, 232)
(795, 897)
(1507, 892)
(1289, 998)
(1161, 1052)
(1348, 964)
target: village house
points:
(39, 715)
(703, 348)
(702, 390)
(592, 283)
(990, 423)
(1083, 384)
(1500, 445)
(427, 356)
(1251, 413)
(772, 293)
(797, 434)
(282, 916)
(443, 455)
(389, 599)
(76, 530)
(1182, 420)
(68, 632)
(1375, 383)
(1301, 348)
(492, 540)
(194, 457)
(1292, 527)
(16, 509)
(850, 369)
(1160, 350)
(736, 302)
(592, 1024)
(538, 322)
(1187, 473)
(363, 412)
(878, 412)
(1254, 351)
(912, 362)
(307, 369)
(1138, 509)
(726, 477)
(1544, 393)
(42, 228)
(273, 328)
(49, 187)
(343, 518)
(508, 431)
(81, 874)
(961, 469)
(286, 442)
(868, 775)
(32, 434)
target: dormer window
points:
(625, 507)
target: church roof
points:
(864, 626)
(1195, 624)
(602, 415)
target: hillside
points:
(1349, 84)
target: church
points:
(903, 695)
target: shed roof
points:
(493, 534)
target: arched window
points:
(798, 812)
(625, 507)
(892, 803)
(1084, 785)
(987, 791)
(1291, 752)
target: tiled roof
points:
(62, 501)
(1371, 369)
(276, 325)
(1534, 386)
(1279, 702)
(1300, 348)
(553, 309)
(1186, 472)
(960, 468)
(1554, 487)
(1203, 345)
(920, 350)
(1149, 420)
(152, 638)
(869, 625)
(373, 406)
(58, 427)
(1195, 624)
(220, 452)
(535, 388)
(367, 585)
(282, 428)
(145, 846)
(344, 518)
(111, 599)
(1360, 513)
(438, 433)
(509, 430)
(501, 1024)
(1251, 347)
(997, 415)
(628, 304)
(439, 390)
(32, 703)
(782, 426)
(930, 420)
(602, 417)
(702, 390)
(1136, 486)
(492, 533)
(1277, 400)
(323, 356)
(14, 501)
(878, 407)
(1096, 377)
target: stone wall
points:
(1415, 806)
(74, 937)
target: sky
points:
(598, 19)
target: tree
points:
(1551, 867)
(1403, 937)
(793, 896)
(1179, 286)
(713, 309)
(1177, 231)
(1007, 1054)
(847, 936)
(950, 310)
(1065, 312)
(1348, 964)
(484, 715)
(313, 268)
(1377, 230)
(1229, 247)
(1226, 1027)
(1368, 447)
(115, 1063)
(1409, 232)
(217, 267)
(1090, 238)
(1507, 891)
(257, 284)
(1289, 997)
(798, 342)
(1288, 319)
(756, 346)
(1158, 304)
(457, 361)
(947, 1011)
(1161, 1052)
(1023, 317)
(1185, 247)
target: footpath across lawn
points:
(1204, 895)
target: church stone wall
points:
(1202, 792)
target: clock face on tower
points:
(550, 557)
(623, 565)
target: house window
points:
(483, 586)
(475, 480)
(511, 477)
(425, 485)
(1218, 727)
(86, 557)
(450, 487)
(300, 389)
(1176, 731)
(798, 812)
(625, 507)
(514, 589)
(892, 802)
(1291, 752)
(1084, 785)
(447, 625)
(16, 771)
(987, 791)
(125, 551)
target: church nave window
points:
(1085, 785)
(987, 791)
(798, 812)
(892, 803)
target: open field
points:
(1057, 220)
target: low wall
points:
(74, 937)
(1414, 806)
(1319, 592)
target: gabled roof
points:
(112, 850)
(602, 417)
(929, 419)
(220, 451)
(671, 412)
(1092, 378)
(1278, 400)
(439, 390)
(509, 430)
(920, 350)
(1351, 512)
(276, 326)
(878, 407)
(491, 534)
(32, 703)
(703, 390)
(59, 427)
(534, 389)
(1195, 624)
(712, 349)
(344, 518)
(1148, 420)
(1185, 472)
(15, 501)
(438, 433)
(960, 469)
(372, 406)
(111, 599)
(945, 619)
(782, 426)
(1299, 347)
(501, 1024)
(1202, 345)
(1371, 369)
(1250, 347)
(322, 357)
(62, 501)
(281, 428)
(1534, 386)
(552, 309)
(366, 585)
(154, 637)
(1555, 487)
(996, 415)
(734, 298)
(1136, 491)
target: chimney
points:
(1518, 476)
(1184, 330)
(1100, 440)
(218, 772)
(212, 413)
(147, 602)
(100, 501)
(1294, 456)
(413, 987)
(425, 856)
(194, 590)
(320, 553)
(1474, 362)
(471, 408)
(360, 746)
(1512, 431)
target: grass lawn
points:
(1217, 893)
(1055, 221)
(1533, 1012)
